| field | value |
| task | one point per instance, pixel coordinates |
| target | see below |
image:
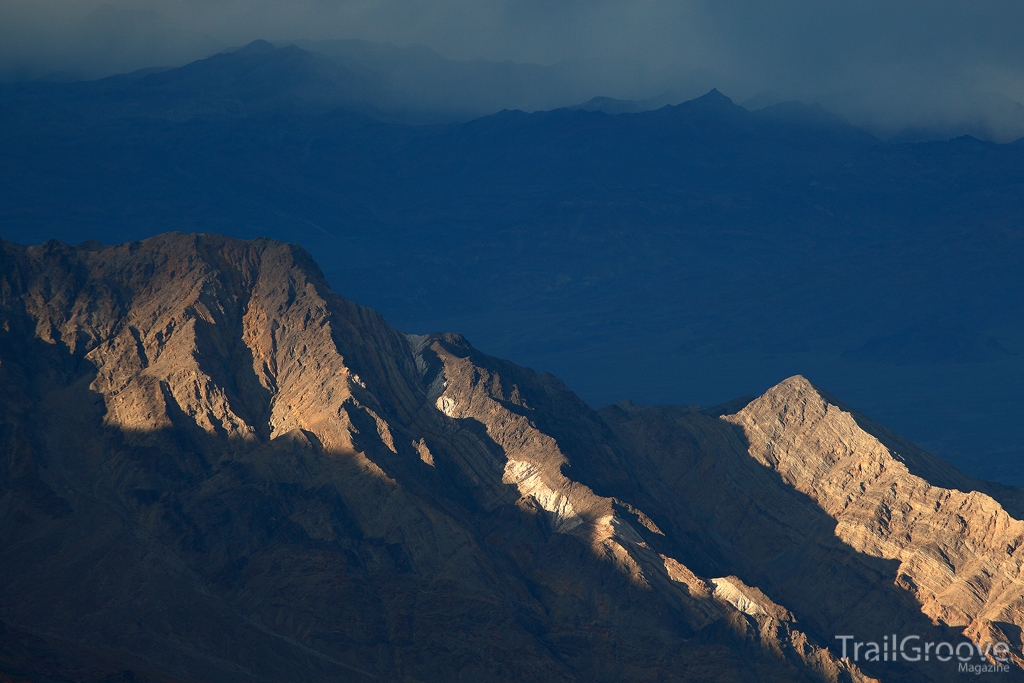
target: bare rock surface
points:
(213, 468)
(958, 550)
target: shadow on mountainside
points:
(199, 555)
(720, 512)
(178, 554)
(773, 537)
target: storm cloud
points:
(884, 64)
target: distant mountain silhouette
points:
(988, 116)
(610, 105)
(408, 84)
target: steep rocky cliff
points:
(213, 468)
(957, 548)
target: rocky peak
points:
(958, 550)
(216, 468)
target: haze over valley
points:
(933, 67)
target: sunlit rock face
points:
(215, 468)
(957, 550)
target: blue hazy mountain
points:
(689, 254)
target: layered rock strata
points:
(214, 468)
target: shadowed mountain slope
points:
(215, 468)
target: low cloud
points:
(883, 64)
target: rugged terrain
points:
(684, 255)
(214, 468)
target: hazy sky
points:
(889, 58)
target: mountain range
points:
(687, 254)
(214, 468)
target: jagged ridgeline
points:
(214, 468)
